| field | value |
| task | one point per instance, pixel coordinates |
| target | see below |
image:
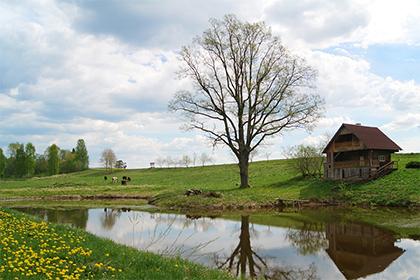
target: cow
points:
(105, 178)
(114, 179)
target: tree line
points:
(185, 160)
(23, 161)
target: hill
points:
(269, 179)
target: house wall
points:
(354, 164)
(348, 158)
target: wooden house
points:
(359, 152)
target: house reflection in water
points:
(359, 250)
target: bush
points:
(308, 160)
(413, 164)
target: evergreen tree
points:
(20, 169)
(82, 156)
(53, 159)
(2, 163)
(30, 159)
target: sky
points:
(105, 71)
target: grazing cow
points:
(105, 178)
(128, 179)
(124, 178)
(114, 179)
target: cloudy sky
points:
(105, 70)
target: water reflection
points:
(359, 250)
(73, 217)
(245, 261)
(281, 250)
(309, 239)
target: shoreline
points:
(150, 201)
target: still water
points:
(275, 246)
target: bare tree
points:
(253, 154)
(160, 161)
(248, 87)
(186, 160)
(169, 161)
(194, 159)
(108, 159)
(204, 158)
(267, 155)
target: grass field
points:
(32, 249)
(269, 180)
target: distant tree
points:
(177, 162)
(12, 148)
(194, 158)
(120, 164)
(53, 159)
(3, 160)
(247, 88)
(160, 161)
(169, 161)
(82, 156)
(186, 160)
(204, 158)
(108, 159)
(68, 162)
(253, 154)
(20, 167)
(41, 165)
(30, 159)
(267, 155)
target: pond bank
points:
(270, 181)
(301, 243)
(39, 250)
(198, 203)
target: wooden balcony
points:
(351, 164)
(347, 146)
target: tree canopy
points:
(247, 87)
(53, 159)
(82, 156)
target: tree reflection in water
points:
(309, 239)
(109, 218)
(73, 217)
(244, 261)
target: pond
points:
(275, 245)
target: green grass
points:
(269, 180)
(31, 249)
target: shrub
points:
(413, 164)
(308, 160)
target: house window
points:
(381, 157)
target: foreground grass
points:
(31, 249)
(269, 179)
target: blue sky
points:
(105, 71)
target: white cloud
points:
(410, 121)
(348, 83)
(61, 82)
(317, 23)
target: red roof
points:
(372, 137)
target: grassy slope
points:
(133, 263)
(269, 180)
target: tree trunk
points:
(243, 170)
